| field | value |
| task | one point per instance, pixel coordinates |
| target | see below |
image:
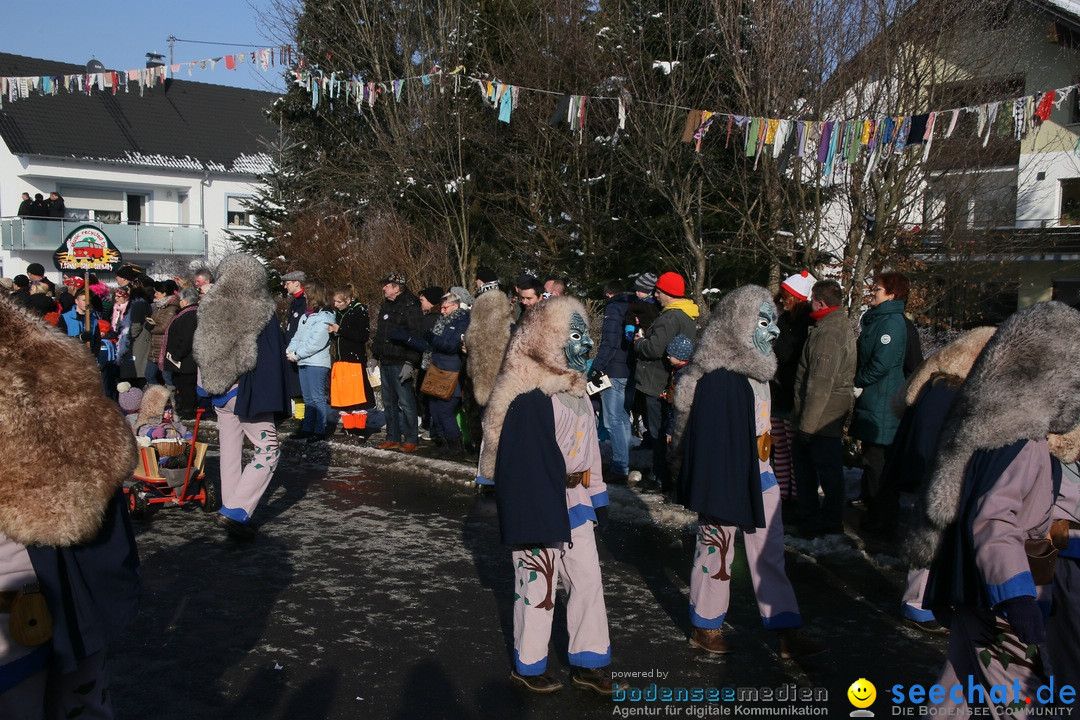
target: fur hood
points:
(65, 447)
(954, 359)
(153, 403)
(1065, 448)
(1024, 385)
(231, 316)
(726, 342)
(486, 339)
(535, 358)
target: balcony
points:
(18, 233)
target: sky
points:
(119, 33)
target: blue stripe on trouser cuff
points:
(706, 623)
(237, 514)
(581, 514)
(590, 659)
(481, 480)
(768, 480)
(16, 671)
(783, 621)
(910, 612)
(536, 668)
(1019, 584)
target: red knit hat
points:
(799, 285)
(672, 284)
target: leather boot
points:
(595, 679)
(542, 683)
(709, 640)
(793, 644)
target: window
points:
(236, 215)
(1070, 202)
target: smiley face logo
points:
(862, 693)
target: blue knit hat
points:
(680, 348)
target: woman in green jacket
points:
(879, 374)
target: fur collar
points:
(231, 316)
(726, 342)
(535, 359)
(486, 340)
(1024, 385)
(65, 448)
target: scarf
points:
(686, 305)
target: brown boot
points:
(542, 683)
(793, 644)
(593, 679)
(709, 640)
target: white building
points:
(163, 171)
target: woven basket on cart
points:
(169, 448)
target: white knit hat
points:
(799, 285)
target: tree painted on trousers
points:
(539, 562)
(714, 540)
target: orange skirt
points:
(347, 384)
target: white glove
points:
(291, 356)
(858, 392)
(406, 373)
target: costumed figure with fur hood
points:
(988, 508)
(540, 446)
(240, 353)
(69, 579)
(722, 407)
(157, 416)
(922, 405)
(486, 339)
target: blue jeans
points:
(153, 375)
(617, 421)
(315, 385)
(443, 420)
(399, 401)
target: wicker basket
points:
(169, 448)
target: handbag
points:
(439, 383)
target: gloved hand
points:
(602, 518)
(398, 334)
(628, 332)
(86, 336)
(857, 392)
(594, 376)
(372, 365)
(1025, 617)
(291, 356)
(406, 373)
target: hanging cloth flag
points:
(928, 136)
(902, 135)
(917, 129)
(230, 62)
(952, 124)
(800, 139)
(867, 129)
(730, 124)
(780, 137)
(506, 104)
(855, 142)
(699, 134)
(397, 85)
(693, 122)
(1046, 103)
(770, 131)
(991, 116)
(264, 59)
(826, 139)
(752, 136)
(1019, 117)
(561, 109)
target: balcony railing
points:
(19, 233)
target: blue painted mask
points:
(578, 344)
(765, 330)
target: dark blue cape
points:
(720, 476)
(530, 475)
(917, 437)
(265, 389)
(92, 590)
(955, 579)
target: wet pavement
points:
(377, 588)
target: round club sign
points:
(87, 248)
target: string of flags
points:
(834, 144)
(114, 81)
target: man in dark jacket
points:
(177, 356)
(614, 357)
(651, 375)
(294, 285)
(56, 206)
(823, 389)
(26, 207)
(400, 317)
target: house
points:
(162, 171)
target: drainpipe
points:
(203, 184)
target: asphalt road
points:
(377, 589)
